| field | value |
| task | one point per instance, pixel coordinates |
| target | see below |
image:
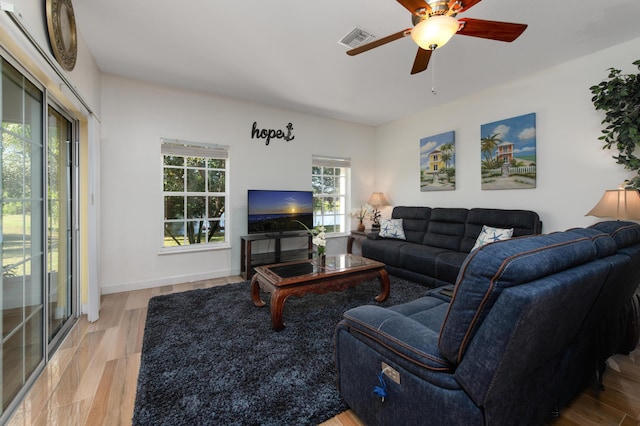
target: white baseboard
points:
(159, 282)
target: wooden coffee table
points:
(310, 276)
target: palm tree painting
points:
(437, 162)
(508, 153)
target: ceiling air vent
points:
(356, 37)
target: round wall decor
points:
(61, 23)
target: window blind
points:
(194, 149)
(324, 161)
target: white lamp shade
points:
(377, 200)
(435, 31)
(618, 204)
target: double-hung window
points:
(330, 182)
(195, 193)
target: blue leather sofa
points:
(519, 338)
(438, 240)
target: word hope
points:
(269, 134)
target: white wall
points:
(136, 115)
(573, 170)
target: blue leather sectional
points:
(438, 240)
(528, 326)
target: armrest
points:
(375, 235)
(402, 335)
(445, 292)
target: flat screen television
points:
(276, 212)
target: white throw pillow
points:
(392, 228)
(491, 235)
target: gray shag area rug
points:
(210, 357)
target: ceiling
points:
(285, 53)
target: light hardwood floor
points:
(91, 379)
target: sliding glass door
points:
(22, 232)
(60, 290)
(38, 294)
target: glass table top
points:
(332, 264)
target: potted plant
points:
(360, 214)
(619, 97)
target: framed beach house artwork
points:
(508, 153)
(437, 162)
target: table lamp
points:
(376, 200)
(618, 204)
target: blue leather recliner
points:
(521, 335)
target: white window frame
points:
(339, 215)
(204, 151)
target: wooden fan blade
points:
(422, 60)
(414, 6)
(379, 42)
(494, 30)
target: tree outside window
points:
(329, 182)
(195, 195)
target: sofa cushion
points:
(412, 340)
(419, 258)
(523, 222)
(490, 234)
(385, 250)
(446, 228)
(392, 228)
(448, 265)
(623, 233)
(414, 221)
(427, 310)
(605, 245)
(494, 267)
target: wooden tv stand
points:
(249, 260)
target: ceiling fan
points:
(435, 23)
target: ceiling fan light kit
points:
(434, 32)
(435, 23)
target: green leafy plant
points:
(619, 97)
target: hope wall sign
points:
(269, 134)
